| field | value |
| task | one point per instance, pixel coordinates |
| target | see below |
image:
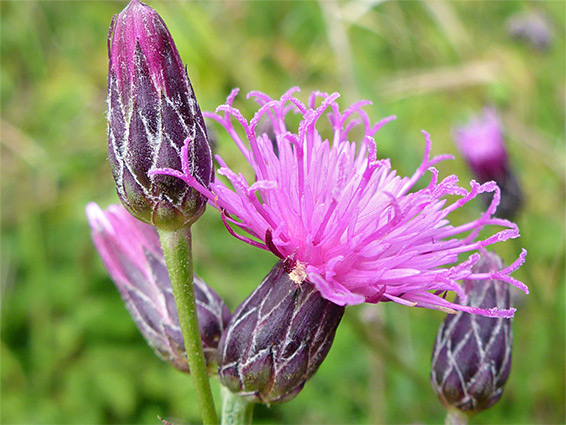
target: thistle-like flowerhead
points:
(152, 114)
(277, 338)
(132, 254)
(343, 217)
(471, 358)
(481, 142)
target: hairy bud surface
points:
(132, 254)
(152, 115)
(277, 338)
(472, 354)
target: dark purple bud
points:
(277, 338)
(481, 143)
(132, 254)
(152, 114)
(472, 354)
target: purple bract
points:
(348, 223)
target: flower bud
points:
(152, 115)
(532, 27)
(471, 358)
(481, 142)
(277, 338)
(132, 254)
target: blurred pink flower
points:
(482, 145)
(533, 27)
(344, 220)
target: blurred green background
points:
(70, 353)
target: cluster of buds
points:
(471, 358)
(345, 226)
(275, 342)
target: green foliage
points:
(70, 352)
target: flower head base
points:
(152, 114)
(482, 144)
(471, 358)
(132, 254)
(277, 338)
(346, 217)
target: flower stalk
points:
(235, 409)
(455, 417)
(176, 245)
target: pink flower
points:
(344, 220)
(482, 145)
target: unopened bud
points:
(532, 27)
(152, 114)
(277, 338)
(481, 142)
(471, 358)
(132, 254)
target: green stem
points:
(176, 246)
(235, 410)
(455, 417)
